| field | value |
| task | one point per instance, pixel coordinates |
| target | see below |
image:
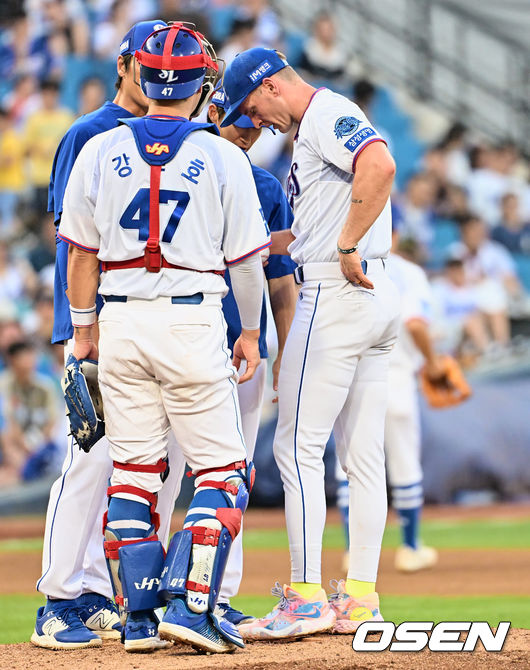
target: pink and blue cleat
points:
(292, 617)
(351, 612)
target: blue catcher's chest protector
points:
(158, 140)
(169, 132)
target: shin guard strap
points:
(203, 535)
(225, 486)
(237, 465)
(112, 546)
(193, 586)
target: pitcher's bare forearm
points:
(281, 239)
(372, 184)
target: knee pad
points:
(197, 555)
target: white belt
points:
(321, 271)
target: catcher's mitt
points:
(450, 389)
(83, 402)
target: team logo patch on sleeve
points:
(359, 138)
(345, 126)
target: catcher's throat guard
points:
(83, 402)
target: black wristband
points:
(347, 251)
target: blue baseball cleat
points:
(100, 615)
(180, 624)
(231, 614)
(60, 627)
(140, 633)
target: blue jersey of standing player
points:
(104, 118)
(279, 216)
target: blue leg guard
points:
(134, 555)
(197, 556)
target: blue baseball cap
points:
(245, 73)
(137, 35)
(220, 99)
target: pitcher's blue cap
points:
(245, 73)
(220, 99)
(137, 35)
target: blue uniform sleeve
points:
(63, 162)
(279, 216)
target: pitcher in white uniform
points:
(414, 348)
(335, 366)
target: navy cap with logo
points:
(220, 99)
(137, 35)
(245, 73)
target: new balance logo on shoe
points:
(52, 626)
(100, 620)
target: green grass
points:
(482, 534)
(17, 612)
(17, 616)
(28, 544)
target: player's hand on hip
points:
(351, 267)
(246, 348)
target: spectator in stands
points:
(415, 209)
(322, 60)
(458, 323)
(491, 270)
(454, 145)
(30, 412)
(11, 174)
(110, 32)
(512, 231)
(453, 203)
(43, 132)
(68, 17)
(494, 176)
(23, 100)
(241, 37)
(268, 29)
(42, 254)
(10, 329)
(17, 279)
(363, 94)
(92, 95)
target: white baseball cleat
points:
(411, 560)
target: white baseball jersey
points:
(206, 220)
(416, 303)
(332, 134)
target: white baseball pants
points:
(164, 366)
(334, 373)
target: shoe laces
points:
(70, 616)
(333, 597)
(277, 591)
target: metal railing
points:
(442, 53)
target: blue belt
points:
(194, 299)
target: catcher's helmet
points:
(176, 62)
